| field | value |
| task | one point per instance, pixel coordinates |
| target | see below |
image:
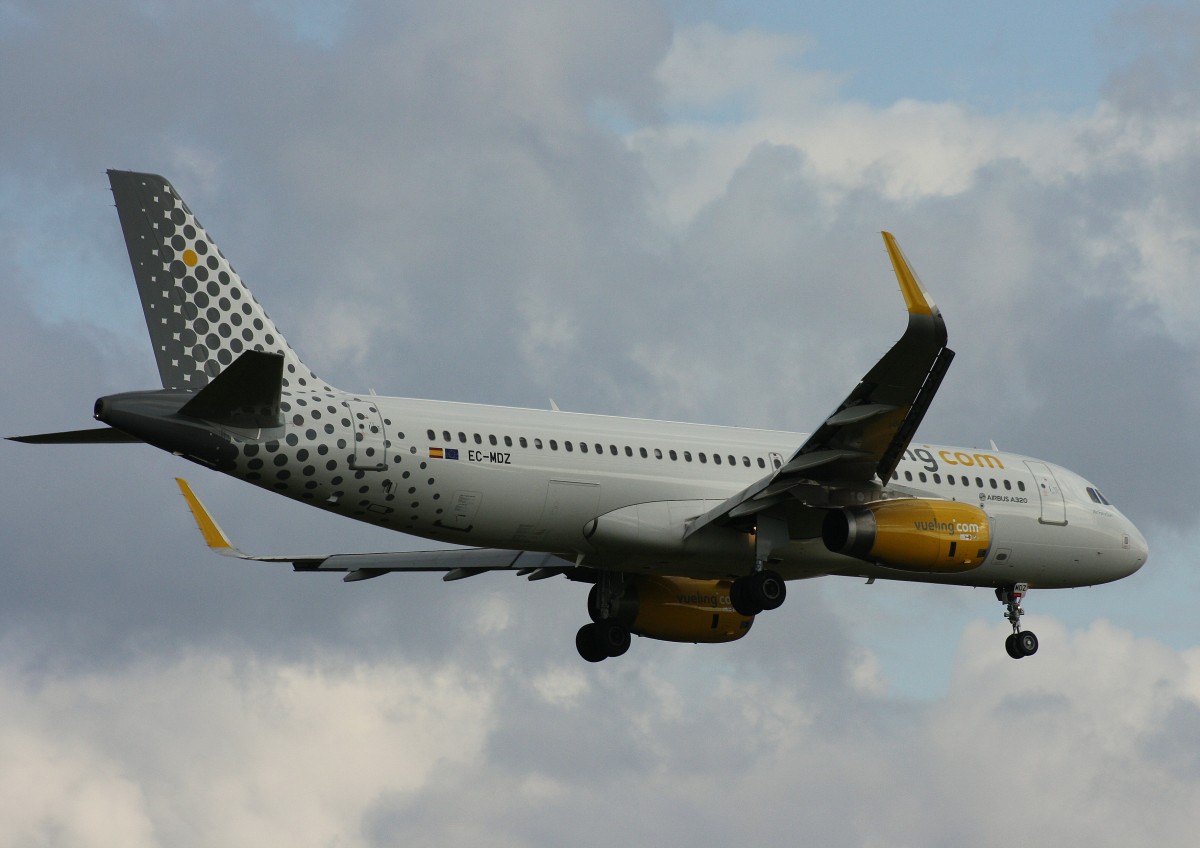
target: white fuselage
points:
(535, 480)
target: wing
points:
(867, 434)
(457, 564)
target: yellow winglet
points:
(214, 537)
(918, 302)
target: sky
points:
(667, 210)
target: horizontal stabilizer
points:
(92, 436)
(246, 394)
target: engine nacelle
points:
(912, 534)
(678, 609)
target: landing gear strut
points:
(1022, 643)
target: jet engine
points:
(676, 609)
(911, 534)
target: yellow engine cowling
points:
(912, 534)
(679, 609)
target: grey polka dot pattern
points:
(199, 313)
(335, 450)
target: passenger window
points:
(993, 482)
(553, 445)
(508, 441)
(568, 446)
(657, 453)
(446, 435)
(1021, 485)
(717, 458)
(703, 458)
(732, 459)
(979, 482)
(462, 437)
(492, 441)
(950, 479)
(431, 435)
(746, 461)
(674, 456)
(612, 449)
(642, 451)
(478, 439)
(537, 443)
(966, 481)
(908, 476)
(762, 463)
(522, 442)
(1008, 485)
(937, 478)
(687, 456)
(628, 450)
(922, 476)
(600, 448)
(582, 447)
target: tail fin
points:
(200, 315)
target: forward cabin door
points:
(1054, 507)
(370, 443)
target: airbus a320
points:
(685, 532)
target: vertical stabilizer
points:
(200, 315)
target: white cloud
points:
(207, 750)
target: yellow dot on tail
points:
(190, 258)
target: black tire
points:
(1010, 645)
(741, 597)
(615, 638)
(1027, 643)
(769, 590)
(589, 644)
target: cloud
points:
(1088, 742)
(503, 204)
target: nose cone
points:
(1139, 551)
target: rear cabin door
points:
(370, 445)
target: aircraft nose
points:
(1138, 549)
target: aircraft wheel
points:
(1027, 643)
(762, 590)
(587, 642)
(596, 642)
(616, 638)
(741, 599)
(769, 589)
(1010, 645)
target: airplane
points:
(685, 532)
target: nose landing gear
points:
(1022, 643)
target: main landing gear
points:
(1022, 643)
(605, 636)
(757, 592)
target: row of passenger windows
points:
(596, 447)
(674, 456)
(954, 481)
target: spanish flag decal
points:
(443, 453)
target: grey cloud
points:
(441, 172)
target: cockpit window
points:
(1096, 496)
